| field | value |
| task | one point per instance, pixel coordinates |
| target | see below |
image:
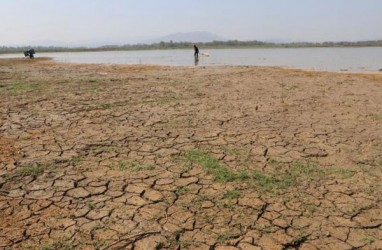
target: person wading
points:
(196, 49)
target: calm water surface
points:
(322, 59)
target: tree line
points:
(188, 45)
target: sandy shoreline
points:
(154, 157)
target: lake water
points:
(321, 59)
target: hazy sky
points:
(126, 21)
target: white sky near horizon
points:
(83, 22)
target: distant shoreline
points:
(204, 48)
(187, 45)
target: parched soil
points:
(149, 157)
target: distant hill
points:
(193, 37)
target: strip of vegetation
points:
(234, 194)
(212, 166)
(33, 170)
(21, 86)
(134, 165)
(282, 177)
(377, 117)
(187, 45)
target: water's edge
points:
(368, 59)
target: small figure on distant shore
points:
(196, 49)
(29, 53)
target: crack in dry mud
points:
(149, 157)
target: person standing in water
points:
(196, 49)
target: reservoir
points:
(320, 59)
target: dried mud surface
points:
(147, 157)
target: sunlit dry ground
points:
(146, 157)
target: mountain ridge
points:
(192, 37)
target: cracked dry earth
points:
(149, 157)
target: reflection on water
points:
(326, 59)
(196, 60)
